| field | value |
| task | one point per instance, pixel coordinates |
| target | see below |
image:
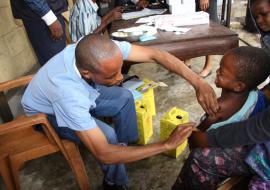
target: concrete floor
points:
(155, 173)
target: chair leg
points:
(16, 165)
(6, 173)
(76, 163)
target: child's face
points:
(226, 73)
(261, 13)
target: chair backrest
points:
(5, 111)
(24, 121)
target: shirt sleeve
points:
(252, 131)
(74, 113)
(125, 48)
(83, 20)
(42, 8)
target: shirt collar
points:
(94, 5)
(76, 69)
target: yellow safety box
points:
(168, 123)
(145, 124)
(148, 98)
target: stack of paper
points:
(142, 13)
(162, 21)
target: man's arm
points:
(115, 14)
(205, 94)
(42, 8)
(251, 131)
(107, 153)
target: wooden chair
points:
(235, 183)
(19, 143)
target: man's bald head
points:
(93, 50)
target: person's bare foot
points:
(188, 63)
(205, 73)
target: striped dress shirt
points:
(83, 19)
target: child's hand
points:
(204, 4)
(179, 135)
(116, 13)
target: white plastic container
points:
(171, 2)
(178, 8)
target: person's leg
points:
(113, 173)
(206, 168)
(207, 66)
(257, 183)
(40, 37)
(212, 10)
(118, 103)
(188, 62)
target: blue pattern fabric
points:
(83, 19)
(244, 113)
(259, 156)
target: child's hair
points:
(253, 2)
(253, 65)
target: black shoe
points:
(111, 186)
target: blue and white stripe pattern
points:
(83, 19)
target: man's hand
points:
(204, 4)
(142, 4)
(206, 97)
(56, 30)
(116, 13)
(179, 135)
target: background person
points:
(44, 25)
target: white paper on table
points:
(149, 19)
(170, 28)
(196, 18)
(142, 13)
(150, 30)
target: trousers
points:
(40, 37)
(117, 103)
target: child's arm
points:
(115, 14)
(266, 92)
(219, 116)
(198, 138)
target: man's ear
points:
(86, 74)
(239, 86)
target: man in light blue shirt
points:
(78, 84)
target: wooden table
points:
(201, 40)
